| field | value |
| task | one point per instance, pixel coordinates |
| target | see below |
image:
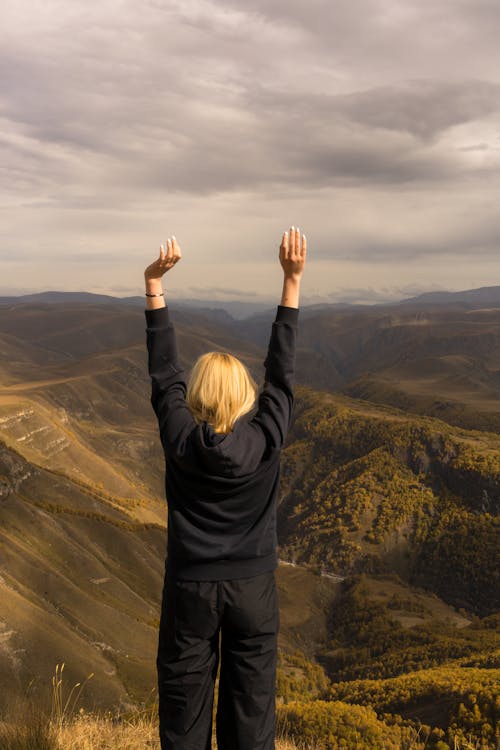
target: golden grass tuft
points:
(87, 731)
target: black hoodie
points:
(222, 488)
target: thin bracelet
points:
(160, 294)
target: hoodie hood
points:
(211, 438)
(227, 453)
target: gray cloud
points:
(423, 107)
(376, 124)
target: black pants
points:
(244, 613)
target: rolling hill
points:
(436, 354)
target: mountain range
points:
(388, 513)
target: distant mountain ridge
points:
(472, 298)
(430, 355)
(240, 310)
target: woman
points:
(222, 484)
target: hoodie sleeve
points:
(275, 403)
(168, 383)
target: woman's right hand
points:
(293, 253)
(169, 255)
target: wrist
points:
(291, 291)
(153, 284)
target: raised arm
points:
(168, 383)
(275, 403)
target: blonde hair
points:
(219, 390)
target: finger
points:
(284, 241)
(304, 245)
(297, 241)
(283, 246)
(170, 251)
(177, 250)
(291, 243)
(162, 252)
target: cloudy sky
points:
(373, 125)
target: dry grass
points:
(67, 727)
(87, 732)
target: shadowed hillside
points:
(440, 358)
(372, 489)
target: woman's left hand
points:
(165, 261)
